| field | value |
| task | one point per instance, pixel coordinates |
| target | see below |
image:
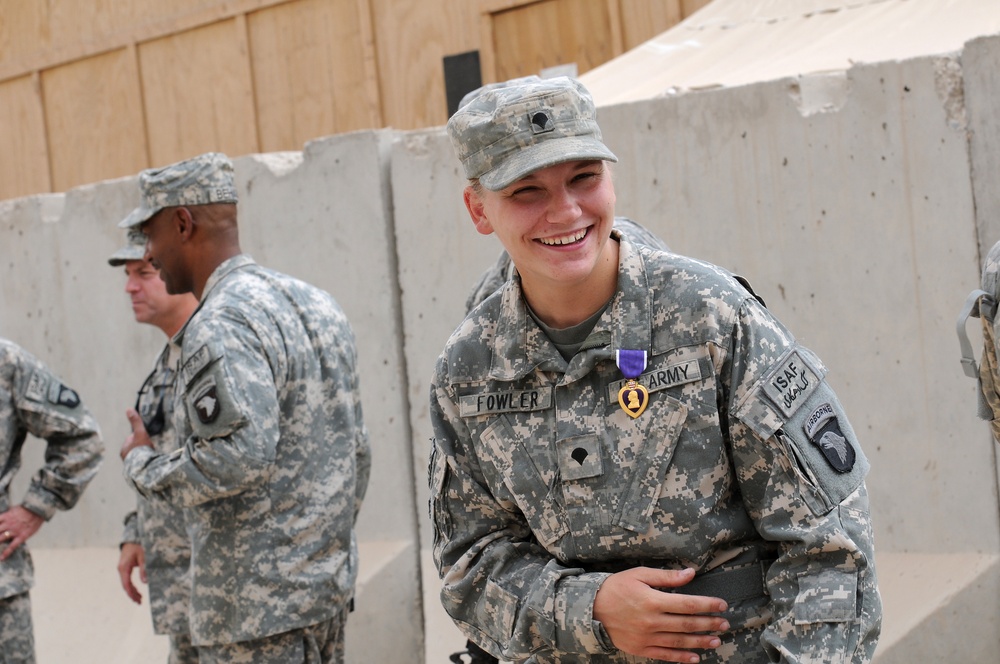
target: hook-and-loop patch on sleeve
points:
(781, 391)
(208, 393)
(43, 387)
(793, 397)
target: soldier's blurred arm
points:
(362, 447)
(131, 556)
(46, 408)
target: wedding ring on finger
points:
(7, 535)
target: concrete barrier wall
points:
(856, 225)
(855, 202)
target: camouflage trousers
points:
(322, 643)
(15, 630)
(181, 650)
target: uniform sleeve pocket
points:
(829, 596)
(497, 612)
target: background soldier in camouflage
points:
(633, 459)
(33, 400)
(155, 539)
(275, 458)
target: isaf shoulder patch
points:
(38, 386)
(823, 430)
(789, 385)
(193, 366)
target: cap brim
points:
(126, 254)
(542, 155)
(137, 216)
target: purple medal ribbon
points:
(632, 397)
(631, 362)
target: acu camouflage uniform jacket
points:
(33, 400)
(156, 524)
(275, 459)
(742, 466)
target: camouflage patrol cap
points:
(505, 131)
(134, 249)
(201, 180)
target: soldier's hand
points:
(646, 622)
(132, 556)
(16, 525)
(138, 437)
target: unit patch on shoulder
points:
(63, 396)
(206, 401)
(789, 385)
(823, 429)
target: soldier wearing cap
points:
(274, 459)
(34, 400)
(155, 539)
(633, 460)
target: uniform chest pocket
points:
(509, 463)
(640, 450)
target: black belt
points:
(733, 584)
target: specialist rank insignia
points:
(633, 397)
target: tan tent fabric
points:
(735, 42)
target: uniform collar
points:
(223, 269)
(218, 274)
(520, 346)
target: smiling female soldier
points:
(633, 459)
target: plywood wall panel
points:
(198, 94)
(69, 19)
(245, 76)
(642, 20)
(556, 32)
(310, 64)
(23, 29)
(412, 40)
(24, 167)
(689, 7)
(93, 115)
(36, 34)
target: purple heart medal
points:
(633, 397)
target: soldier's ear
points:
(184, 222)
(474, 204)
